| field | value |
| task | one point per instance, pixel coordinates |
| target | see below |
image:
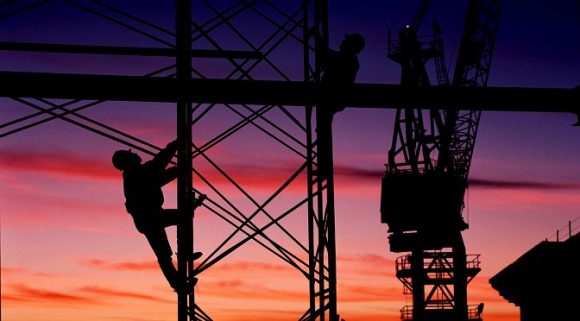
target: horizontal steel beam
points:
(127, 51)
(151, 89)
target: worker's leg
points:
(170, 217)
(324, 138)
(158, 240)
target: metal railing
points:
(570, 229)
(473, 261)
(431, 41)
(407, 313)
(403, 263)
(474, 312)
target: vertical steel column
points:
(459, 279)
(418, 282)
(330, 217)
(321, 229)
(321, 42)
(307, 36)
(184, 157)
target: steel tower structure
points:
(428, 166)
(204, 31)
(253, 79)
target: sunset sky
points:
(69, 251)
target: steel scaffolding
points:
(199, 34)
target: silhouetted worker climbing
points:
(339, 70)
(144, 199)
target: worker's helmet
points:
(354, 42)
(122, 158)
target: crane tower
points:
(428, 165)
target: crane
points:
(428, 165)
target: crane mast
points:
(428, 165)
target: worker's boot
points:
(197, 202)
(194, 255)
(172, 276)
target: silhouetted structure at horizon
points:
(422, 193)
(544, 281)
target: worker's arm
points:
(169, 175)
(162, 159)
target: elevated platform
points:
(437, 270)
(438, 267)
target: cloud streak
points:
(120, 266)
(363, 174)
(254, 266)
(368, 265)
(370, 293)
(242, 290)
(111, 293)
(365, 263)
(75, 165)
(358, 173)
(82, 296)
(59, 163)
(24, 293)
(521, 185)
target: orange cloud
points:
(369, 293)
(241, 266)
(243, 290)
(120, 266)
(481, 291)
(18, 272)
(24, 293)
(369, 265)
(253, 313)
(87, 295)
(368, 259)
(111, 293)
(227, 268)
(10, 270)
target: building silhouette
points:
(544, 282)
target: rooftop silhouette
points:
(544, 281)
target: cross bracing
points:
(211, 30)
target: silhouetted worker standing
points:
(479, 310)
(144, 199)
(339, 71)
